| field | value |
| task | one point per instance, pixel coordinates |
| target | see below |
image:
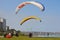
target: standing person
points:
(12, 34)
(30, 35)
(16, 35)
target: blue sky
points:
(50, 17)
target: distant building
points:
(2, 24)
(7, 28)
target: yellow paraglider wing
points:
(28, 18)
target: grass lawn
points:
(27, 38)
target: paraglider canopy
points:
(28, 18)
(39, 5)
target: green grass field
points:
(27, 38)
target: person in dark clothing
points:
(30, 35)
(12, 34)
(16, 35)
(47, 34)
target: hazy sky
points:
(50, 17)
